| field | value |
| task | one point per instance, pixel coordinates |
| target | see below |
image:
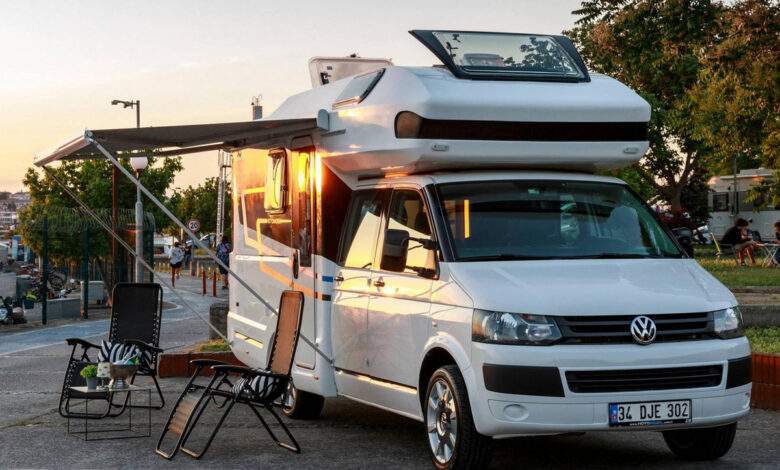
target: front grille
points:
(617, 328)
(636, 380)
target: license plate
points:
(649, 413)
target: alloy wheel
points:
(442, 421)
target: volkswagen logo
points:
(643, 330)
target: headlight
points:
(728, 323)
(513, 328)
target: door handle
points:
(379, 282)
(338, 278)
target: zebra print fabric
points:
(118, 352)
(262, 385)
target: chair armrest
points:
(206, 362)
(246, 371)
(83, 343)
(142, 345)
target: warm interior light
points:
(466, 219)
(318, 171)
(303, 171)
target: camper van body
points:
(408, 132)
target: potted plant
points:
(29, 300)
(90, 375)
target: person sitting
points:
(740, 239)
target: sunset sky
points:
(201, 61)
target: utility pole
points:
(115, 195)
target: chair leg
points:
(159, 394)
(198, 455)
(294, 447)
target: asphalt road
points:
(348, 435)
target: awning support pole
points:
(195, 239)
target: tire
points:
(701, 444)
(447, 391)
(302, 405)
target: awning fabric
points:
(173, 140)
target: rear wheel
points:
(453, 440)
(701, 444)
(302, 405)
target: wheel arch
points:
(438, 353)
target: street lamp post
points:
(139, 164)
(114, 196)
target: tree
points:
(91, 181)
(200, 203)
(736, 102)
(654, 46)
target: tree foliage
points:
(200, 202)
(736, 102)
(654, 46)
(91, 182)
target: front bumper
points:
(511, 414)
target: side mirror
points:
(394, 250)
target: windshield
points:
(521, 54)
(505, 220)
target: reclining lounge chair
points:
(230, 385)
(136, 314)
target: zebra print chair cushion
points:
(261, 385)
(119, 352)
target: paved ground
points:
(32, 434)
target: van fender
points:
(478, 402)
(462, 358)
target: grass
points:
(214, 345)
(764, 339)
(727, 271)
(732, 275)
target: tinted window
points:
(362, 228)
(505, 220)
(407, 212)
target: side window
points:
(407, 212)
(276, 183)
(362, 228)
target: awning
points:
(177, 140)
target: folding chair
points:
(136, 315)
(253, 387)
(724, 250)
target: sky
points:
(193, 62)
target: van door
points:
(399, 304)
(352, 283)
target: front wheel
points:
(701, 444)
(453, 440)
(298, 404)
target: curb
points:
(766, 382)
(761, 314)
(178, 364)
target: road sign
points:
(193, 225)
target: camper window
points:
(276, 183)
(362, 228)
(358, 88)
(720, 202)
(407, 212)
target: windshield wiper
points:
(617, 256)
(504, 257)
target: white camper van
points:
(464, 264)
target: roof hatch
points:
(506, 56)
